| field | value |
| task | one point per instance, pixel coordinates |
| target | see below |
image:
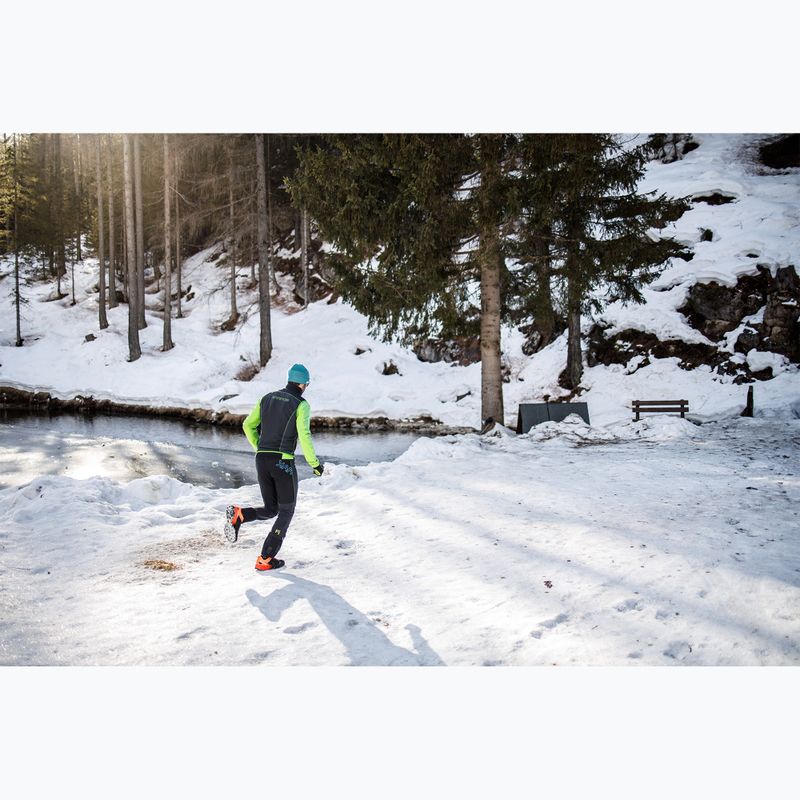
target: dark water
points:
(124, 447)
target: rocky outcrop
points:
(783, 153)
(621, 347)
(463, 350)
(716, 310)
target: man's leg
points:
(269, 495)
(284, 475)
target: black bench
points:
(664, 406)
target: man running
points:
(273, 428)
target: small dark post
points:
(748, 409)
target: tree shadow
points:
(365, 643)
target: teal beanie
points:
(299, 374)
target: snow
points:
(761, 227)
(658, 542)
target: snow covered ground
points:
(761, 227)
(658, 542)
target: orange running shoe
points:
(233, 520)
(263, 564)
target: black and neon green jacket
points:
(277, 421)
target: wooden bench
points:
(664, 406)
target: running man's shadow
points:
(365, 642)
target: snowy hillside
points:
(745, 221)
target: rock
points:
(783, 153)
(390, 368)
(716, 310)
(625, 345)
(714, 199)
(90, 337)
(463, 350)
(750, 339)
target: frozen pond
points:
(122, 448)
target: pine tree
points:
(603, 232)
(418, 222)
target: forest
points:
(429, 235)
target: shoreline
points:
(44, 402)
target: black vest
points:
(278, 429)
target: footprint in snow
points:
(549, 624)
(678, 650)
(631, 604)
(300, 628)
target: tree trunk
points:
(253, 237)
(574, 357)
(178, 267)
(265, 341)
(101, 253)
(232, 254)
(491, 358)
(112, 251)
(137, 166)
(126, 269)
(60, 250)
(545, 315)
(76, 170)
(304, 253)
(167, 343)
(491, 261)
(18, 343)
(134, 348)
(270, 244)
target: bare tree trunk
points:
(253, 238)
(178, 265)
(265, 339)
(491, 359)
(137, 166)
(135, 350)
(491, 260)
(112, 251)
(545, 315)
(574, 356)
(167, 343)
(18, 343)
(60, 251)
(126, 269)
(232, 254)
(76, 170)
(304, 253)
(269, 218)
(101, 255)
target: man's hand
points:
(319, 469)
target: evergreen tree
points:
(419, 222)
(580, 194)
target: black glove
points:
(319, 469)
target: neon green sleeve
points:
(304, 433)
(250, 425)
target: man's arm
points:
(250, 425)
(304, 433)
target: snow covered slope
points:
(761, 226)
